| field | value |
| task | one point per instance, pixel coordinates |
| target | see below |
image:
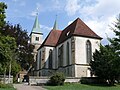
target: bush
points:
(92, 80)
(57, 79)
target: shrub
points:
(57, 79)
(92, 80)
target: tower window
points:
(37, 38)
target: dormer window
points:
(68, 33)
(37, 38)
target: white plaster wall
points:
(33, 38)
(47, 49)
(80, 48)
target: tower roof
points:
(55, 27)
(36, 26)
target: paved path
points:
(27, 87)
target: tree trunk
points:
(4, 75)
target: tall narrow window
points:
(67, 53)
(40, 60)
(50, 59)
(88, 51)
(60, 56)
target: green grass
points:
(82, 87)
(7, 89)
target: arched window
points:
(67, 53)
(50, 59)
(40, 60)
(88, 51)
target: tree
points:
(7, 54)
(115, 42)
(106, 64)
(3, 6)
(24, 48)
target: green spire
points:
(55, 24)
(36, 26)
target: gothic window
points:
(40, 60)
(50, 59)
(60, 56)
(37, 38)
(67, 53)
(88, 51)
(73, 50)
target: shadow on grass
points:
(101, 85)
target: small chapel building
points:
(69, 51)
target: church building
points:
(69, 51)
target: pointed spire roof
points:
(77, 28)
(55, 27)
(36, 26)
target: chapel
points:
(68, 51)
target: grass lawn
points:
(82, 87)
(7, 89)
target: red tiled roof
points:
(52, 38)
(77, 28)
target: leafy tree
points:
(24, 48)
(115, 42)
(106, 64)
(3, 6)
(7, 55)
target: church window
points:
(50, 59)
(67, 53)
(73, 50)
(37, 38)
(68, 33)
(40, 59)
(60, 56)
(88, 51)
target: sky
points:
(97, 14)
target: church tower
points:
(36, 36)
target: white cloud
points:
(72, 6)
(100, 15)
(38, 9)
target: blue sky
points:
(97, 14)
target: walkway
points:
(27, 87)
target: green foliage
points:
(7, 49)
(115, 42)
(3, 6)
(57, 79)
(24, 49)
(15, 68)
(106, 64)
(93, 80)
